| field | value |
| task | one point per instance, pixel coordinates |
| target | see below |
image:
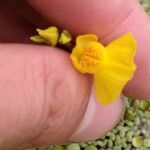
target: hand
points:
(44, 100)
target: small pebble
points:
(118, 140)
(111, 135)
(140, 112)
(135, 128)
(117, 148)
(124, 145)
(100, 143)
(129, 123)
(147, 114)
(119, 127)
(137, 121)
(130, 114)
(94, 143)
(105, 143)
(144, 120)
(122, 133)
(137, 132)
(127, 102)
(58, 147)
(73, 146)
(121, 123)
(114, 131)
(110, 144)
(90, 142)
(83, 144)
(136, 104)
(137, 141)
(129, 135)
(91, 147)
(146, 142)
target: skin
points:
(37, 101)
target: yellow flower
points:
(50, 35)
(112, 66)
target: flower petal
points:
(122, 50)
(109, 81)
(110, 78)
(81, 42)
(105, 87)
(94, 54)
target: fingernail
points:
(98, 119)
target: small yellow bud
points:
(37, 39)
(65, 37)
(50, 35)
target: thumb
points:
(44, 100)
(108, 19)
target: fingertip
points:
(98, 119)
(76, 15)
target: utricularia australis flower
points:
(111, 66)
